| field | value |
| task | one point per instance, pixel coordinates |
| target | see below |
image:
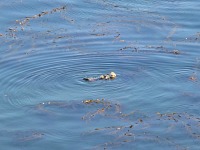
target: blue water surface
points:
(48, 47)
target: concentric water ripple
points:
(47, 48)
(59, 75)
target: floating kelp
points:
(151, 49)
(106, 109)
(145, 140)
(190, 122)
(175, 52)
(91, 108)
(146, 130)
(92, 101)
(27, 19)
(132, 128)
(12, 32)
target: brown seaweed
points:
(141, 130)
(135, 126)
(151, 49)
(106, 109)
(28, 19)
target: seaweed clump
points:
(103, 108)
(132, 128)
(27, 19)
(143, 128)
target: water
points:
(47, 48)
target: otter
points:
(111, 75)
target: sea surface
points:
(48, 47)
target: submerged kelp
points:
(90, 107)
(107, 28)
(146, 130)
(162, 129)
(24, 22)
(28, 136)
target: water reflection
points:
(47, 49)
